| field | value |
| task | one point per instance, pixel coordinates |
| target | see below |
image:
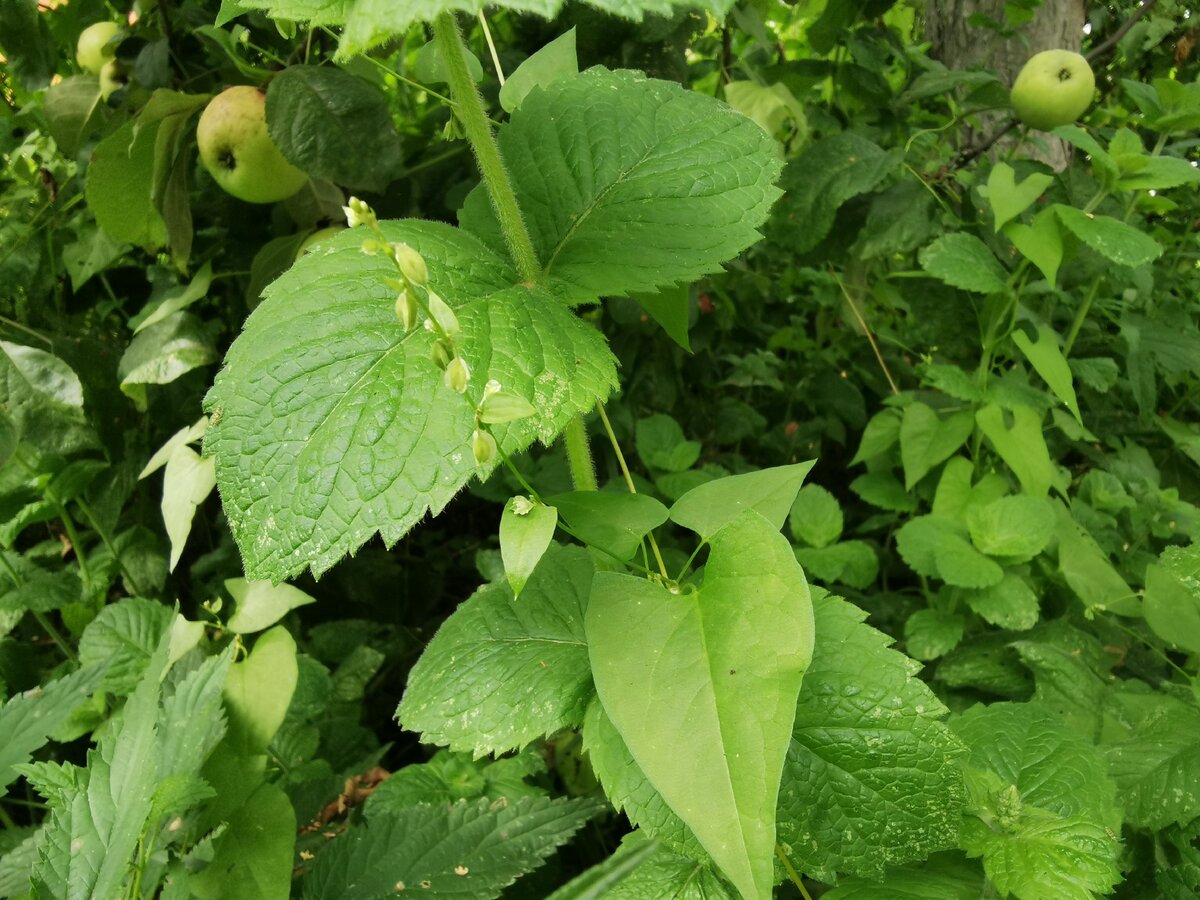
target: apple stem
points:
(468, 105)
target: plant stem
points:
(1079, 318)
(612, 439)
(55, 635)
(487, 34)
(579, 456)
(469, 107)
(792, 873)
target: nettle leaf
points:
(1111, 238)
(937, 547)
(469, 850)
(964, 261)
(500, 672)
(1017, 528)
(44, 398)
(815, 517)
(946, 876)
(122, 639)
(664, 873)
(717, 671)
(333, 125)
(930, 633)
(817, 183)
(1172, 597)
(1042, 811)
(1010, 604)
(630, 184)
(331, 423)
(871, 777)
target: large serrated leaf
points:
(501, 672)
(468, 851)
(630, 184)
(716, 671)
(871, 778)
(331, 423)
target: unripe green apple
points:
(113, 77)
(90, 50)
(1054, 88)
(318, 235)
(237, 150)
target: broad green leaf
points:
(871, 777)
(880, 435)
(429, 67)
(73, 107)
(1017, 437)
(259, 689)
(500, 673)
(937, 547)
(122, 639)
(331, 423)
(661, 444)
(451, 777)
(1111, 238)
(630, 184)
(1009, 199)
(930, 633)
(927, 439)
(819, 181)
(853, 563)
(708, 508)
(261, 604)
(176, 299)
(1042, 810)
(666, 874)
(163, 352)
(27, 720)
(1152, 745)
(44, 398)
(1172, 597)
(1047, 359)
(1011, 604)
(602, 879)
(717, 670)
(252, 858)
(1160, 173)
(883, 489)
(963, 261)
(187, 483)
(554, 60)
(120, 186)
(946, 876)
(1071, 675)
(613, 522)
(1017, 528)
(526, 530)
(1039, 242)
(956, 495)
(333, 125)
(773, 107)
(815, 517)
(1088, 571)
(470, 850)
(670, 308)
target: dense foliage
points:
(721, 459)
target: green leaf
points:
(1039, 242)
(163, 352)
(44, 399)
(1042, 810)
(1111, 238)
(1160, 173)
(1152, 745)
(333, 125)
(709, 507)
(930, 633)
(871, 777)
(964, 261)
(259, 689)
(122, 638)
(174, 300)
(772, 107)
(852, 563)
(946, 876)
(630, 184)
(666, 874)
(1017, 437)
(881, 433)
(670, 308)
(524, 537)
(187, 483)
(72, 108)
(1011, 604)
(27, 720)
(818, 182)
(937, 547)
(498, 673)
(602, 879)
(252, 858)
(1009, 199)
(450, 777)
(261, 604)
(1047, 359)
(613, 522)
(926, 439)
(468, 850)
(1172, 597)
(1016, 528)
(1089, 573)
(120, 186)
(883, 489)
(333, 422)
(662, 445)
(429, 67)
(554, 60)
(717, 671)
(815, 517)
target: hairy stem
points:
(579, 456)
(469, 107)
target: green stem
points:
(612, 439)
(469, 107)
(792, 873)
(55, 635)
(1080, 316)
(579, 456)
(106, 539)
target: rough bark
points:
(960, 45)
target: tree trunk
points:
(1058, 24)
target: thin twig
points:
(967, 155)
(870, 337)
(1116, 36)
